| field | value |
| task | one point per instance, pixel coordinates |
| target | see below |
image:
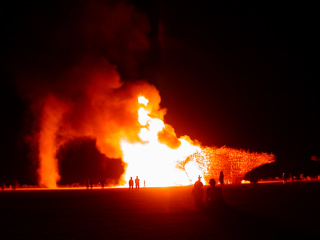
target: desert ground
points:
(266, 211)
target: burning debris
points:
(234, 163)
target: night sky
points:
(239, 75)
(242, 76)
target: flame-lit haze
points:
(48, 145)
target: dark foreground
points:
(270, 211)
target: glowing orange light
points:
(151, 160)
(135, 131)
(143, 100)
(234, 163)
(158, 164)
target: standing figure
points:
(197, 193)
(137, 181)
(214, 199)
(221, 179)
(284, 179)
(130, 183)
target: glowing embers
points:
(234, 163)
(154, 161)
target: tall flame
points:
(152, 160)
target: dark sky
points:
(243, 76)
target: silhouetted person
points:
(88, 184)
(197, 193)
(214, 199)
(221, 179)
(2, 186)
(137, 182)
(102, 184)
(284, 179)
(130, 183)
(91, 183)
(144, 183)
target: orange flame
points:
(135, 131)
(163, 160)
(153, 160)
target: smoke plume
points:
(69, 69)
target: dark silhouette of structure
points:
(214, 199)
(130, 183)
(221, 179)
(197, 193)
(137, 182)
(253, 179)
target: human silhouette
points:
(144, 183)
(284, 179)
(197, 193)
(102, 184)
(88, 183)
(130, 183)
(221, 179)
(137, 181)
(214, 199)
(91, 183)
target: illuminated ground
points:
(270, 211)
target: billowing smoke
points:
(70, 72)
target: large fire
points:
(151, 160)
(85, 97)
(161, 165)
(147, 145)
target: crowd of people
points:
(214, 199)
(213, 196)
